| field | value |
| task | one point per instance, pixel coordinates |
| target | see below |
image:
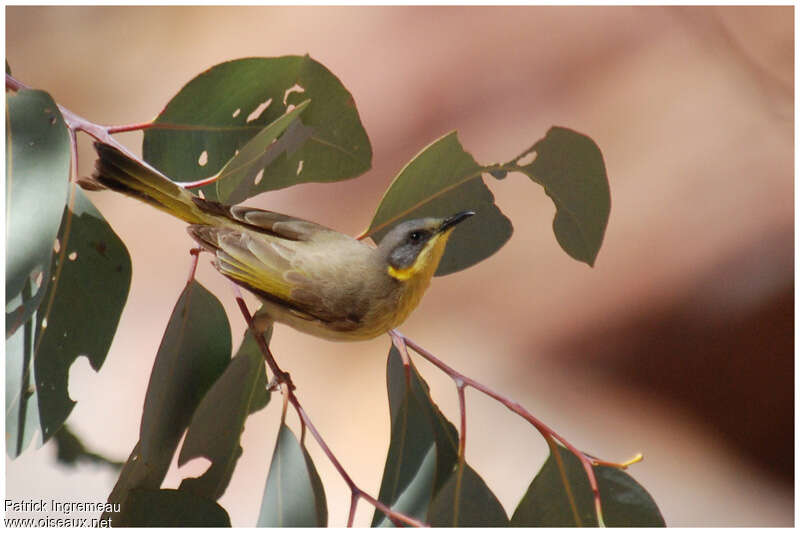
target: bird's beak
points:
(451, 221)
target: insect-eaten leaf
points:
(423, 447)
(239, 179)
(440, 181)
(218, 422)
(222, 109)
(87, 283)
(557, 498)
(293, 494)
(194, 352)
(570, 167)
(170, 508)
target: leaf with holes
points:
(218, 422)
(423, 448)
(245, 171)
(88, 285)
(170, 508)
(219, 111)
(293, 494)
(194, 352)
(440, 181)
(555, 498)
(37, 181)
(570, 167)
(466, 501)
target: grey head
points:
(405, 241)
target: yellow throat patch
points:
(426, 262)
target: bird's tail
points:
(116, 171)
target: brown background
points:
(678, 344)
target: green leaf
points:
(570, 167)
(170, 508)
(37, 180)
(210, 116)
(423, 446)
(546, 502)
(440, 181)
(22, 403)
(84, 299)
(466, 501)
(218, 422)
(85, 293)
(194, 351)
(237, 178)
(293, 495)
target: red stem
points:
(130, 127)
(283, 377)
(462, 406)
(513, 406)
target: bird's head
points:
(416, 246)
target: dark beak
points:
(451, 221)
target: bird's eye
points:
(415, 236)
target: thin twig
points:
(353, 506)
(101, 133)
(462, 406)
(141, 126)
(279, 375)
(195, 253)
(396, 517)
(462, 380)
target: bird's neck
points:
(416, 278)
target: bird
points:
(307, 276)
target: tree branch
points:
(461, 381)
(282, 377)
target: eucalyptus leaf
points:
(423, 446)
(238, 178)
(293, 495)
(84, 301)
(218, 422)
(22, 404)
(466, 501)
(170, 508)
(194, 351)
(219, 111)
(87, 284)
(37, 181)
(440, 181)
(547, 502)
(570, 167)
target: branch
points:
(99, 132)
(462, 381)
(283, 378)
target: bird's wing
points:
(263, 221)
(265, 266)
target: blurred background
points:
(678, 344)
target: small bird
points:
(310, 277)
